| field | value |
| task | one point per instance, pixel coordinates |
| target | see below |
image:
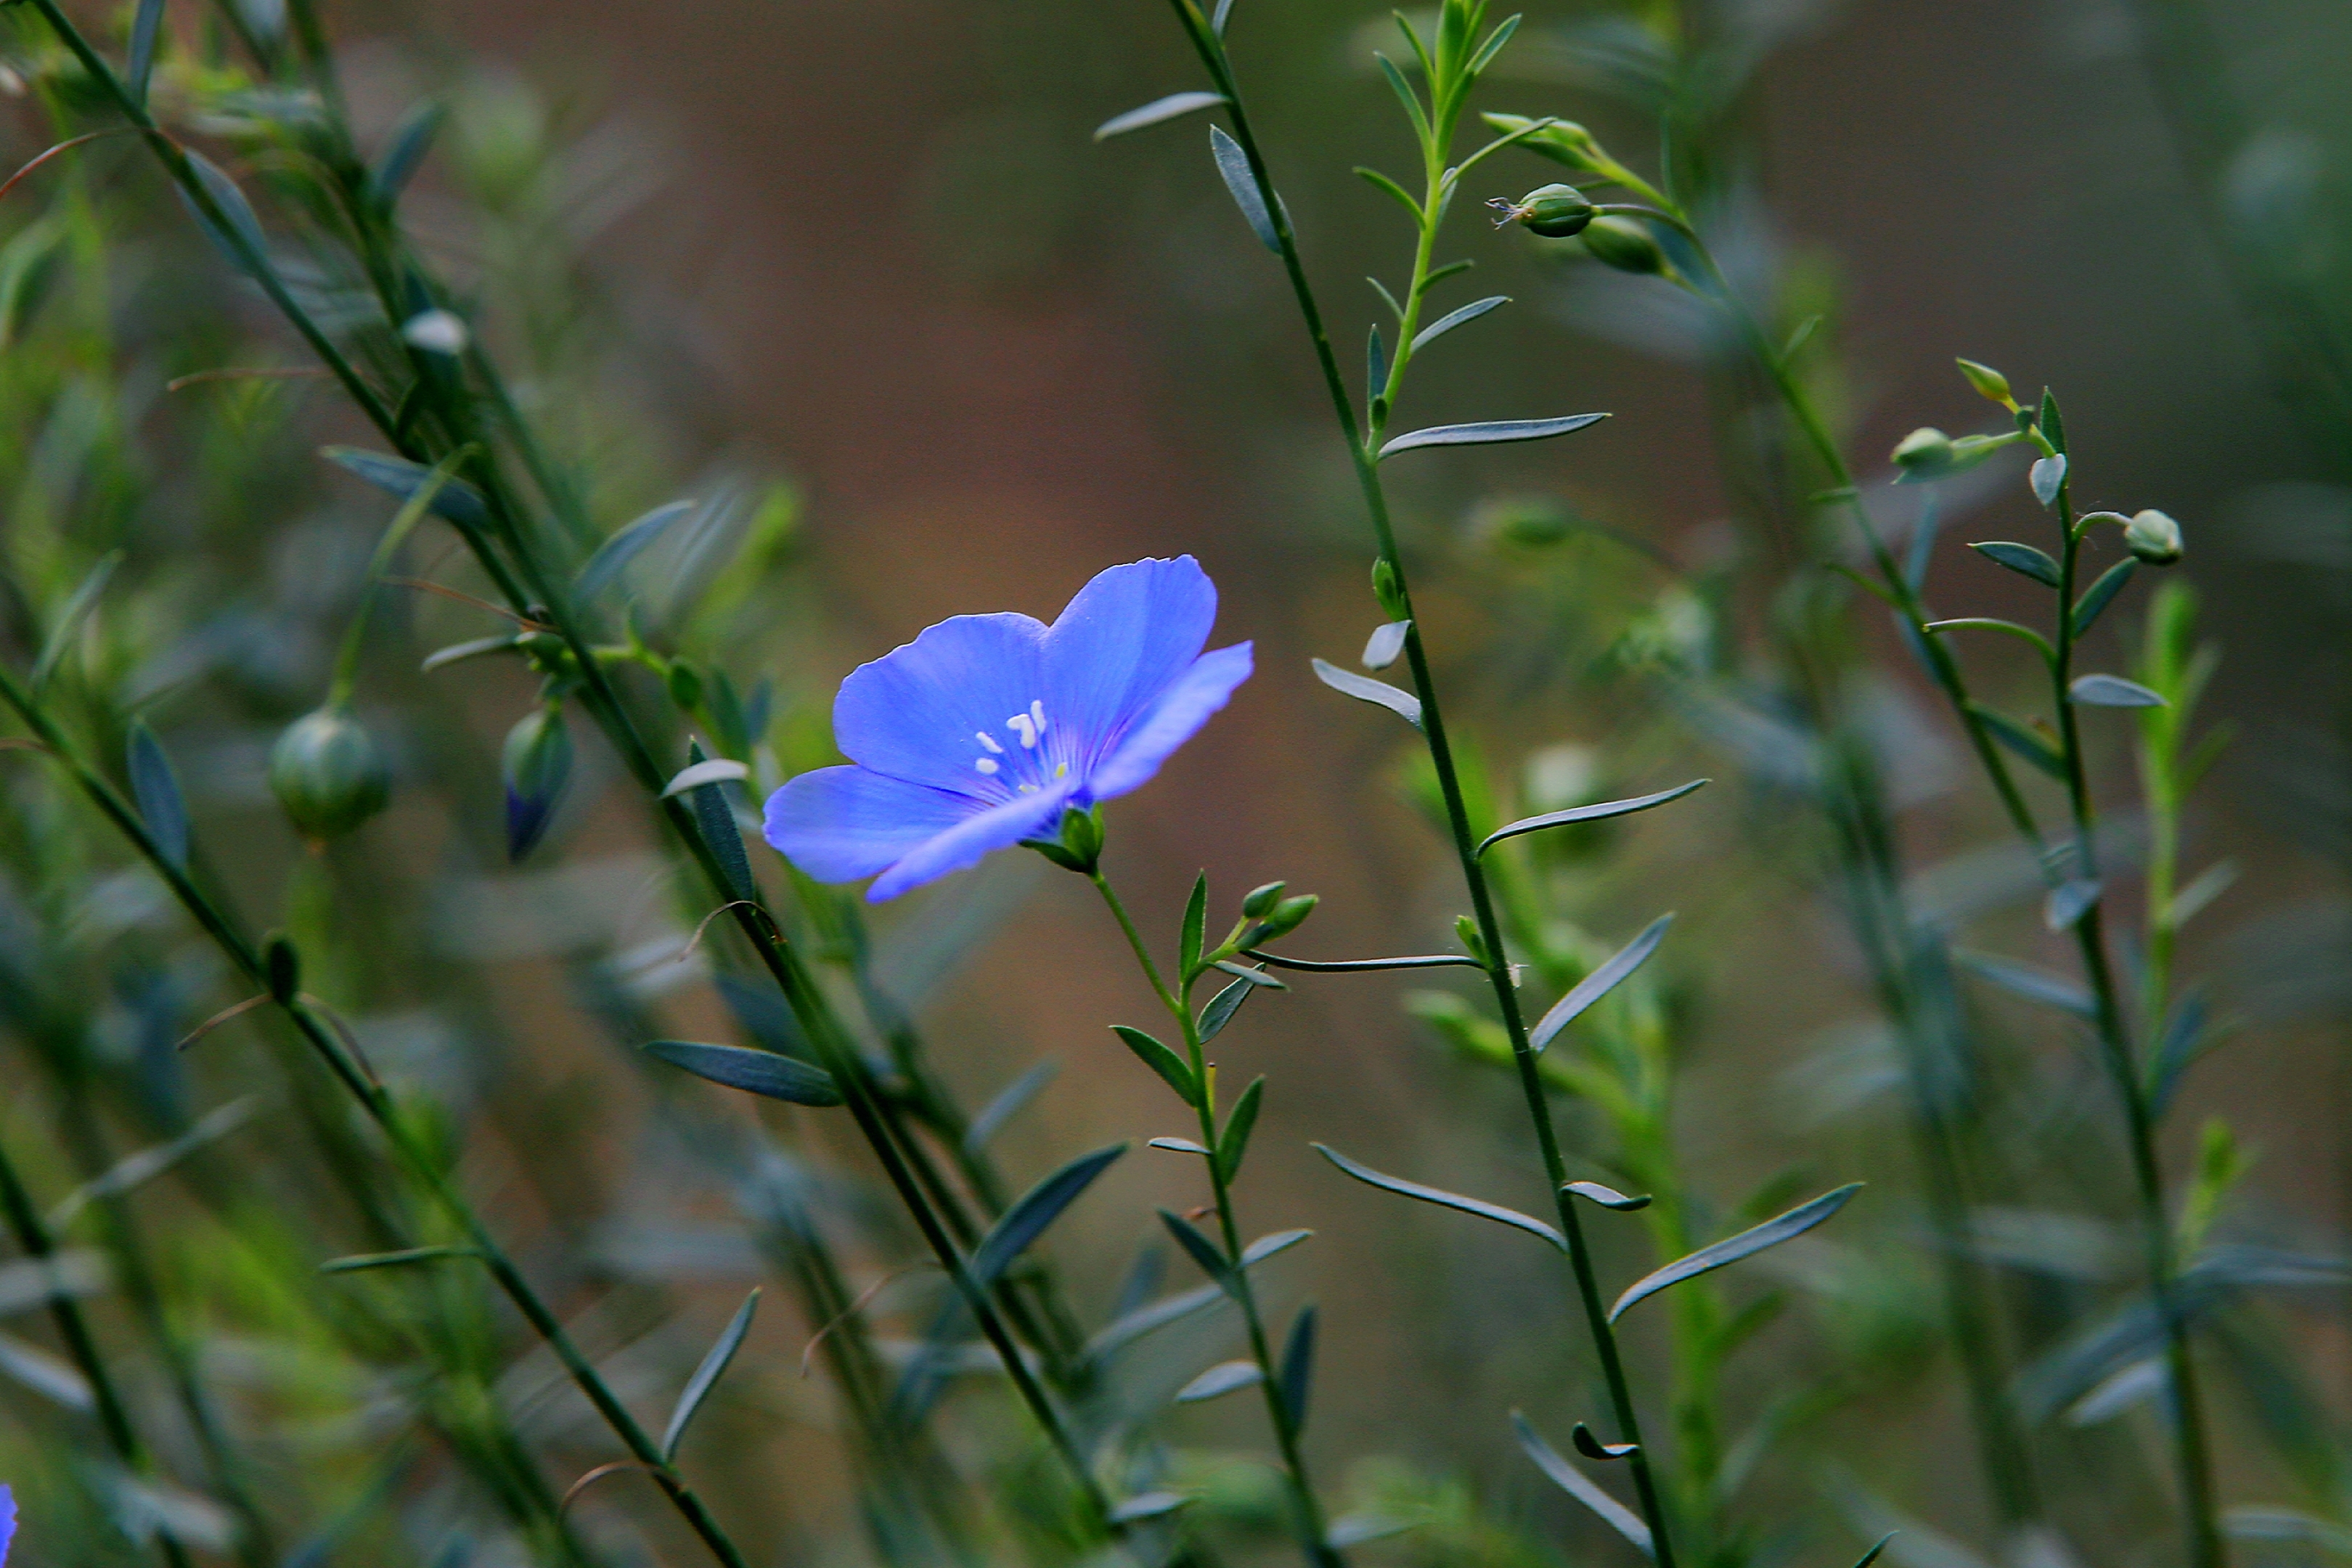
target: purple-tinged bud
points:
(536, 765)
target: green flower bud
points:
(328, 774)
(1925, 449)
(536, 765)
(1563, 141)
(1556, 212)
(1626, 245)
(1286, 917)
(1473, 943)
(684, 684)
(1989, 383)
(2153, 537)
(1260, 900)
(1531, 522)
(1385, 589)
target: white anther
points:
(1023, 726)
(985, 739)
(984, 765)
(1028, 789)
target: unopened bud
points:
(1563, 141)
(2154, 537)
(1624, 245)
(536, 765)
(1556, 212)
(1285, 917)
(1385, 589)
(684, 684)
(329, 775)
(1988, 382)
(1925, 447)
(1474, 943)
(1260, 900)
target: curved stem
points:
(1362, 445)
(1313, 1530)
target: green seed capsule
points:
(1556, 212)
(1282, 920)
(2154, 537)
(1624, 245)
(328, 774)
(1260, 900)
(1925, 447)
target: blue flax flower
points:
(984, 730)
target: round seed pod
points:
(1556, 212)
(1624, 244)
(328, 774)
(2154, 537)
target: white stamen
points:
(1023, 726)
(984, 765)
(1028, 789)
(1038, 714)
(985, 739)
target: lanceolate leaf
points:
(1223, 1378)
(1232, 163)
(705, 1376)
(405, 155)
(1134, 1324)
(1233, 1143)
(2112, 691)
(1363, 688)
(1161, 1061)
(2020, 740)
(1607, 1197)
(1732, 1248)
(1196, 919)
(232, 206)
(1467, 313)
(1576, 1484)
(1158, 112)
(2034, 985)
(1147, 1505)
(1442, 1198)
(1200, 1248)
(1490, 433)
(2069, 902)
(1035, 1209)
(2098, 596)
(1871, 1556)
(1593, 813)
(157, 790)
(67, 625)
(2021, 558)
(715, 771)
(1598, 983)
(1009, 1102)
(1299, 1366)
(455, 502)
(146, 27)
(754, 1072)
(613, 556)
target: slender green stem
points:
(113, 1418)
(1363, 445)
(1313, 1528)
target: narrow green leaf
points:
(1363, 688)
(1404, 198)
(1266, 1246)
(77, 610)
(1249, 976)
(243, 224)
(1467, 313)
(1222, 1008)
(1196, 920)
(1440, 274)
(2034, 985)
(405, 153)
(1800, 337)
(1441, 1197)
(1159, 111)
(1200, 1248)
(1172, 1068)
(135, 1170)
(455, 501)
(1180, 1146)
(1232, 163)
(1382, 290)
(1871, 1556)
(1490, 433)
(1993, 624)
(1491, 48)
(714, 815)
(2099, 594)
(716, 770)
(156, 788)
(1224, 13)
(1233, 1143)
(2020, 740)
(2024, 559)
(1592, 1447)
(2112, 691)
(1009, 1102)
(1576, 1484)
(1732, 1248)
(146, 26)
(1598, 983)
(754, 1072)
(366, 1261)
(1405, 95)
(705, 1376)
(1035, 1209)
(2183, 1041)
(612, 557)
(1587, 814)
(1221, 1379)
(2068, 903)
(2054, 428)
(1298, 1367)
(1607, 1197)
(1149, 1505)
(1363, 965)
(457, 653)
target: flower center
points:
(1029, 729)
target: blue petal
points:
(999, 828)
(7, 1522)
(914, 714)
(1175, 718)
(838, 825)
(1121, 642)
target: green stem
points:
(1362, 447)
(1312, 1528)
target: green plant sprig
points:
(1222, 1144)
(1451, 70)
